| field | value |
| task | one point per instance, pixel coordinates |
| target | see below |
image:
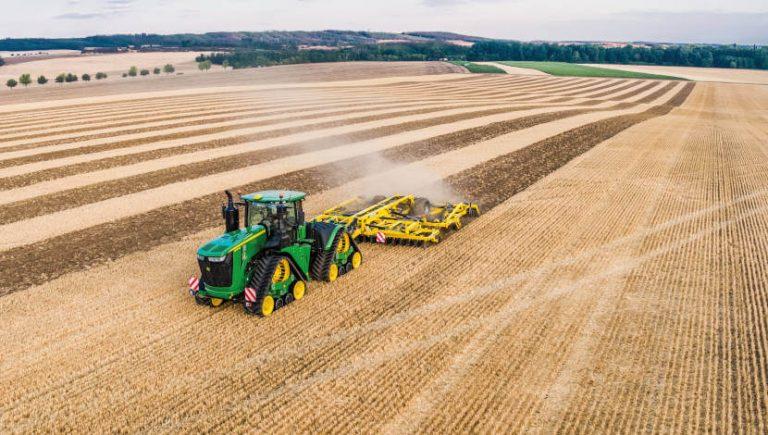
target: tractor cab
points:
(280, 213)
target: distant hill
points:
(207, 41)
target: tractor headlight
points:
(217, 259)
(200, 257)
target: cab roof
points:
(274, 196)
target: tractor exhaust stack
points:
(230, 213)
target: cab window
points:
(258, 213)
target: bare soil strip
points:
(207, 103)
(29, 265)
(96, 192)
(629, 84)
(96, 158)
(516, 171)
(255, 115)
(148, 178)
(302, 103)
(177, 113)
(183, 147)
(127, 143)
(142, 111)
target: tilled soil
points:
(85, 248)
(615, 282)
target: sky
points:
(702, 21)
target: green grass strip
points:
(572, 69)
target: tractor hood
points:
(228, 242)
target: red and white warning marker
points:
(250, 294)
(381, 238)
(194, 284)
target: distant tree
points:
(169, 69)
(11, 83)
(205, 65)
(225, 64)
(125, 75)
(61, 78)
(133, 71)
(86, 77)
(145, 72)
(70, 78)
(101, 75)
(156, 70)
(25, 80)
(2, 62)
(42, 80)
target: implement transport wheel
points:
(264, 272)
(357, 260)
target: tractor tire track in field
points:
(29, 265)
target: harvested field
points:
(113, 64)
(727, 75)
(617, 280)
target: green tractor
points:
(268, 263)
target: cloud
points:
(109, 8)
(79, 16)
(442, 3)
(119, 5)
(693, 27)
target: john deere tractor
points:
(268, 262)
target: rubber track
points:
(323, 260)
(262, 278)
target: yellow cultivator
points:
(399, 219)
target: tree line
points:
(26, 79)
(275, 40)
(755, 57)
(135, 71)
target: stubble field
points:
(616, 281)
